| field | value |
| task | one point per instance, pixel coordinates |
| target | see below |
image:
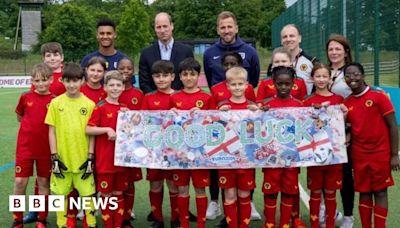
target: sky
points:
(290, 2)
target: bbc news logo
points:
(37, 203)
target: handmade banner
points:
(289, 137)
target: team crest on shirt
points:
(175, 177)
(243, 55)
(134, 101)
(271, 86)
(83, 111)
(18, 169)
(199, 103)
(222, 180)
(104, 184)
(109, 115)
(29, 103)
(267, 185)
(156, 103)
(369, 103)
(178, 104)
(295, 87)
(303, 67)
(220, 94)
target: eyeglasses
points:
(353, 75)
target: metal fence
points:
(371, 26)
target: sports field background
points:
(8, 131)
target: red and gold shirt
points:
(56, 87)
(186, 101)
(133, 98)
(220, 92)
(95, 95)
(326, 100)
(105, 115)
(370, 134)
(276, 102)
(156, 101)
(33, 134)
(267, 89)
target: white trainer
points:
(322, 215)
(348, 222)
(255, 216)
(213, 210)
(338, 218)
(133, 216)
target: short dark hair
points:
(51, 47)
(97, 59)
(72, 71)
(105, 22)
(233, 54)
(189, 64)
(358, 65)
(279, 70)
(162, 66)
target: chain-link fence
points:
(371, 26)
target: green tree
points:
(73, 27)
(133, 30)
(8, 17)
(248, 14)
(269, 10)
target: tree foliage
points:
(133, 30)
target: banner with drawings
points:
(287, 137)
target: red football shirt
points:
(56, 87)
(33, 134)
(370, 134)
(234, 105)
(267, 89)
(319, 99)
(220, 92)
(276, 102)
(95, 95)
(186, 101)
(156, 100)
(133, 98)
(105, 115)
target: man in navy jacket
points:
(227, 29)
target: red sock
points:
(286, 208)
(119, 213)
(183, 206)
(315, 201)
(201, 205)
(380, 215)
(18, 216)
(231, 214)
(269, 211)
(156, 205)
(173, 201)
(107, 215)
(330, 205)
(42, 215)
(72, 212)
(296, 206)
(244, 211)
(129, 199)
(365, 209)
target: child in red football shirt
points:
(33, 141)
(191, 97)
(374, 145)
(220, 91)
(283, 180)
(327, 178)
(163, 75)
(111, 180)
(133, 98)
(237, 183)
(95, 71)
(280, 57)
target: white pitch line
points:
(11, 92)
(304, 196)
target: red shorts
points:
(370, 176)
(243, 179)
(109, 182)
(24, 167)
(200, 177)
(281, 180)
(159, 174)
(324, 177)
(134, 174)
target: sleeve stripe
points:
(388, 112)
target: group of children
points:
(79, 127)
